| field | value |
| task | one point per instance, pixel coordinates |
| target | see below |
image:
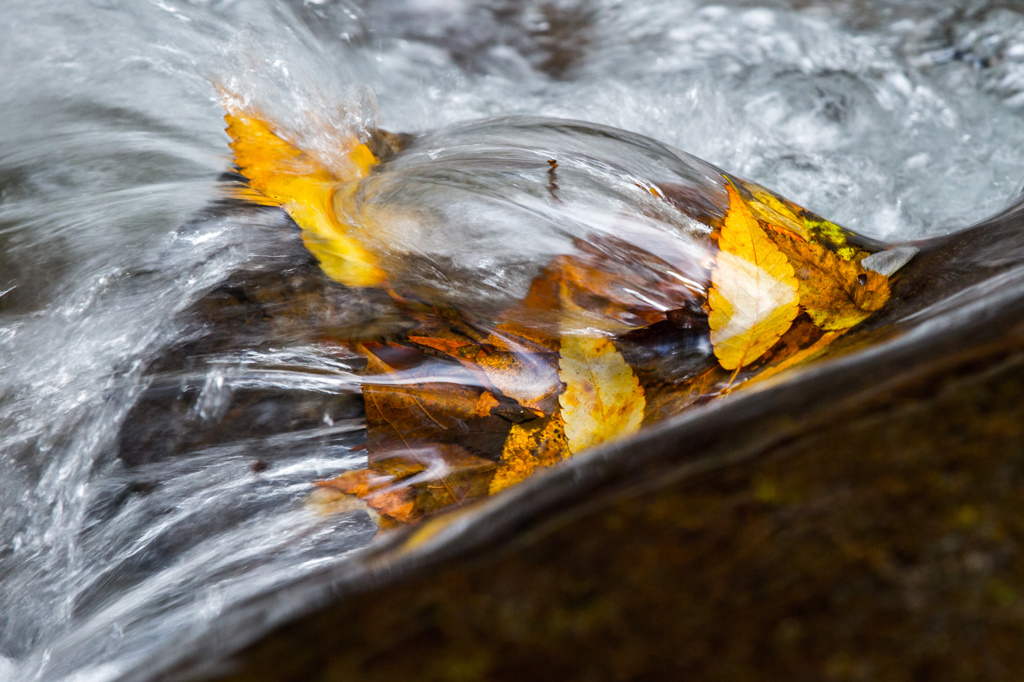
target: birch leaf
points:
(753, 298)
(602, 398)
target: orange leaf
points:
(608, 284)
(436, 402)
(522, 370)
(376, 492)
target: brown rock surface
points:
(858, 520)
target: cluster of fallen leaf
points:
(458, 410)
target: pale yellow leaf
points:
(602, 398)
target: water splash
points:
(898, 119)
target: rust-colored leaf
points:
(608, 284)
(375, 491)
(522, 370)
(519, 363)
(453, 477)
(433, 402)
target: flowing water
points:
(900, 120)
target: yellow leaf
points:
(753, 298)
(602, 398)
(286, 176)
(771, 209)
(530, 446)
(778, 212)
(827, 231)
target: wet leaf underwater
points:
(458, 408)
(602, 399)
(753, 298)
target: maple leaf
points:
(280, 174)
(602, 398)
(753, 298)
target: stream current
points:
(899, 120)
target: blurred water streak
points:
(898, 119)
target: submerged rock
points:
(859, 520)
(853, 518)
